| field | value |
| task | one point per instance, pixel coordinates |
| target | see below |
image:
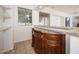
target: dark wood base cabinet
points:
(45, 43)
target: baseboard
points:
(2, 52)
(22, 40)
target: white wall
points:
(74, 45)
(22, 33)
(55, 21)
(35, 17)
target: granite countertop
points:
(63, 30)
(4, 28)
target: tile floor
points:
(23, 47)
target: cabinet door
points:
(8, 39)
(54, 44)
(37, 44)
(1, 42)
(53, 47)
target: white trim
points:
(1, 52)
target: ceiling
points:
(71, 9)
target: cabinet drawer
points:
(56, 37)
(53, 43)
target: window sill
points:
(23, 24)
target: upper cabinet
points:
(4, 12)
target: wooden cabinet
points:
(54, 43)
(46, 43)
(36, 42)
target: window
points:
(67, 21)
(24, 16)
(44, 19)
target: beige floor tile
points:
(23, 47)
